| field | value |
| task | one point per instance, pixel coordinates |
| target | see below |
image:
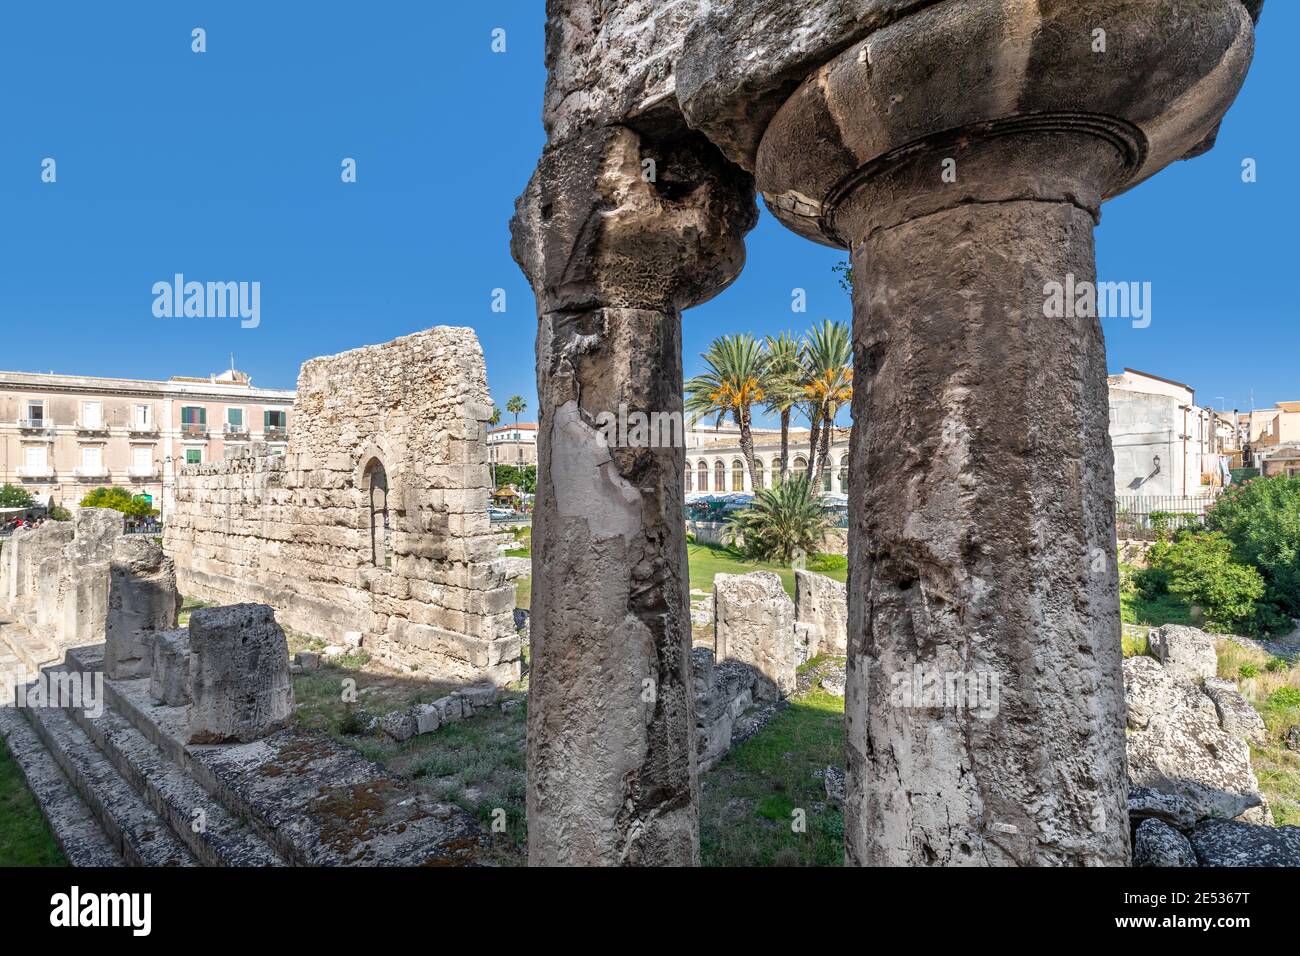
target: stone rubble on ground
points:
(1159, 844)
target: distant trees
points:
(812, 374)
(118, 499)
(15, 496)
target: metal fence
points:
(1143, 517)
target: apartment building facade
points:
(63, 435)
(513, 445)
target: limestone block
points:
(241, 685)
(1152, 690)
(1236, 715)
(823, 603)
(1186, 650)
(427, 718)
(1158, 844)
(1145, 803)
(400, 725)
(754, 624)
(1230, 843)
(142, 601)
(169, 679)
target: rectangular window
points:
(92, 459)
(193, 456)
(143, 416)
(274, 420)
(235, 418)
(36, 411)
(92, 414)
(194, 415)
(35, 457)
(141, 459)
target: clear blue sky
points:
(225, 166)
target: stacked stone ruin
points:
(961, 150)
(760, 640)
(416, 574)
(148, 744)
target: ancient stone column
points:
(962, 154)
(618, 232)
(142, 602)
(239, 675)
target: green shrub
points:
(782, 522)
(1247, 671)
(1285, 697)
(1201, 569)
(1261, 518)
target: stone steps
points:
(32, 650)
(132, 826)
(208, 829)
(75, 827)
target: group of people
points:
(23, 521)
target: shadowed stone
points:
(822, 603)
(1158, 844)
(753, 620)
(169, 680)
(142, 601)
(241, 687)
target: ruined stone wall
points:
(294, 531)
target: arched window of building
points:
(826, 476)
(376, 482)
(758, 474)
(719, 476)
(690, 476)
(844, 474)
(799, 467)
(737, 475)
(702, 471)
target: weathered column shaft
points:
(980, 542)
(963, 154)
(611, 718)
(618, 234)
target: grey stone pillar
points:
(962, 154)
(618, 233)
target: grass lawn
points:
(477, 763)
(706, 560)
(1134, 608)
(1274, 690)
(747, 801)
(25, 837)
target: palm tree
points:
(783, 387)
(732, 386)
(494, 421)
(827, 356)
(516, 404)
(782, 522)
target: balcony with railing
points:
(35, 471)
(92, 428)
(90, 473)
(36, 425)
(273, 433)
(233, 432)
(143, 472)
(143, 428)
(194, 430)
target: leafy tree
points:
(1261, 518)
(783, 388)
(524, 479)
(119, 499)
(516, 406)
(15, 496)
(783, 521)
(730, 388)
(1201, 569)
(828, 385)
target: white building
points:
(716, 465)
(1164, 443)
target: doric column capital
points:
(1145, 82)
(613, 219)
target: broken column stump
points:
(241, 687)
(142, 601)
